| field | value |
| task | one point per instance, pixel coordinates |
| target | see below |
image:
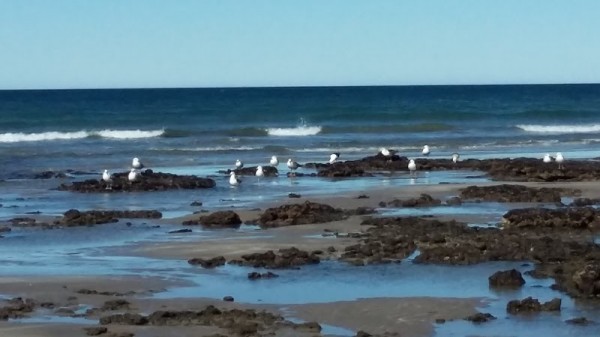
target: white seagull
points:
(233, 180)
(385, 152)
(239, 164)
(334, 157)
(259, 172)
(133, 175)
(455, 157)
(412, 167)
(274, 161)
(547, 158)
(292, 165)
(137, 164)
(107, 178)
(560, 160)
(425, 150)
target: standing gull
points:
(137, 164)
(239, 164)
(334, 157)
(107, 178)
(259, 172)
(455, 157)
(412, 167)
(274, 161)
(233, 180)
(385, 152)
(547, 158)
(133, 175)
(425, 150)
(293, 166)
(560, 160)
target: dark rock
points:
(256, 275)
(308, 327)
(287, 258)
(5, 229)
(294, 195)
(124, 319)
(208, 263)
(543, 219)
(480, 317)
(298, 214)
(49, 175)
(196, 203)
(587, 279)
(269, 171)
(95, 330)
(579, 321)
(218, 219)
(506, 278)
(16, 308)
(425, 200)
(228, 299)
(362, 196)
(149, 181)
(454, 201)
(115, 305)
(73, 217)
(530, 305)
(511, 193)
(183, 230)
(552, 305)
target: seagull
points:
(274, 162)
(425, 150)
(334, 157)
(559, 159)
(455, 157)
(292, 165)
(107, 178)
(137, 164)
(259, 172)
(233, 180)
(133, 175)
(239, 164)
(412, 167)
(385, 152)
(547, 158)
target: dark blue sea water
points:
(96, 129)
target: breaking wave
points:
(16, 137)
(591, 128)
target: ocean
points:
(95, 129)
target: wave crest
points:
(560, 128)
(302, 130)
(17, 137)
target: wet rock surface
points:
(532, 305)
(148, 181)
(218, 219)
(73, 217)
(284, 258)
(507, 278)
(208, 263)
(480, 317)
(257, 276)
(95, 330)
(298, 214)
(579, 321)
(17, 308)
(570, 218)
(236, 321)
(269, 171)
(511, 193)
(425, 200)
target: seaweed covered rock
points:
(507, 278)
(299, 214)
(148, 181)
(74, 217)
(218, 219)
(268, 171)
(284, 258)
(511, 193)
(570, 218)
(531, 305)
(424, 200)
(208, 263)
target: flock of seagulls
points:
(137, 165)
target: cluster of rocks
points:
(237, 322)
(284, 258)
(218, 219)
(424, 200)
(17, 308)
(208, 263)
(512, 193)
(268, 171)
(542, 219)
(73, 218)
(148, 181)
(531, 305)
(299, 214)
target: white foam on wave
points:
(17, 137)
(301, 130)
(41, 136)
(129, 134)
(559, 128)
(208, 148)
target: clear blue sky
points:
(207, 43)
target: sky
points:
(225, 43)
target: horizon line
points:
(304, 86)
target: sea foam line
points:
(297, 131)
(15, 137)
(559, 128)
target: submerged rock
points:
(208, 263)
(218, 219)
